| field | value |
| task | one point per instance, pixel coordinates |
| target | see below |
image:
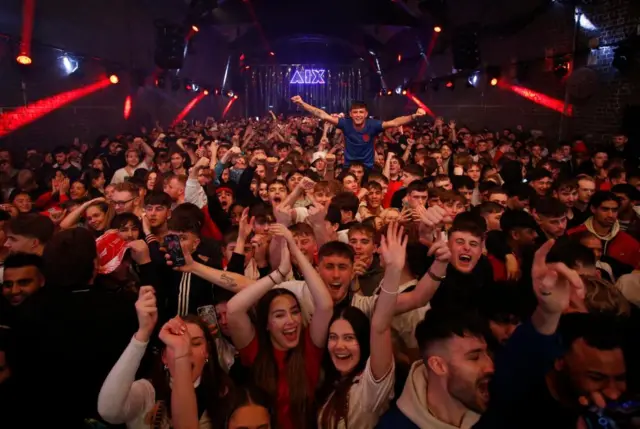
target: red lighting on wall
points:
(539, 98)
(127, 107)
(11, 121)
(187, 109)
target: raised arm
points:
(393, 248)
(318, 113)
(429, 283)
(184, 405)
(230, 281)
(74, 217)
(323, 304)
(242, 330)
(120, 399)
(403, 120)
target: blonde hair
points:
(602, 296)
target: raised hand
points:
(317, 212)
(175, 335)
(554, 284)
(330, 159)
(246, 225)
(307, 184)
(189, 263)
(433, 217)
(420, 112)
(279, 230)
(297, 99)
(440, 250)
(139, 252)
(282, 214)
(147, 312)
(393, 246)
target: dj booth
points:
(270, 87)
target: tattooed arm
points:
(231, 281)
(318, 113)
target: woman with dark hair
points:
(359, 366)
(285, 357)
(94, 181)
(188, 347)
(249, 407)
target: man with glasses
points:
(126, 199)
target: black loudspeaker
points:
(170, 45)
(464, 45)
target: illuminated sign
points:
(309, 76)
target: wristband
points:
(436, 278)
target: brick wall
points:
(596, 116)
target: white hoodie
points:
(413, 402)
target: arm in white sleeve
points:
(194, 193)
(122, 399)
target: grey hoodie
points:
(413, 402)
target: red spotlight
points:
(217, 92)
(389, 92)
(272, 53)
(114, 79)
(23, 59)
(235, 96)
(18, 118)
(494, 82)
(449, 84)
(195, 28)
(437, 29)
(127, 107)
(241, 57)
(399, 57)
(189, 87)
(206, 92)
(404, 92)
(247, 67)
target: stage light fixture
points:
(561, 67)
(195, 28)
(404, 92)
(450, 85)
(230, 94)
(69, 64)
(399, 57)
(493, 75)
(217, 92)
(114, 79)
(389, 92)
(24, 59)
(473, 80)
(206, 92)
(437, 29)
(235, 97)
(273, 54)
(398, 90)
(494, 81)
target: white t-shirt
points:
(121, 174)
(368, 399)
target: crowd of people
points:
(320, 271)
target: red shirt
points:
(312, 362)
(394, 185)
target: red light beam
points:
(229, 104)
(187, 109)
(127, 107)
(11, 121)
(420, 104)
(538, 98)
(28, 8)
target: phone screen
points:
(172, 243)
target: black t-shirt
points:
(462, 289)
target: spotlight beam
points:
(539, 98)
(187, 109)
(228, 107)
(28, 8)
(420, 104)
(11, 121)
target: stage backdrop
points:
(270, 87)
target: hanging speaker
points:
(170, 46)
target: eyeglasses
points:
(122, 203)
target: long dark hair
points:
(337, 405)
(265, 369)
(216, 384)
(249, 395)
